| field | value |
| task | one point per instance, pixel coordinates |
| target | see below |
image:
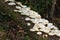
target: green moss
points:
(27, 38)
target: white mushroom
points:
(10, 0)
(11, 3)
(28, 24)
(39, 33)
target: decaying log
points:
(17, 18)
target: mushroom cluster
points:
(40, 24)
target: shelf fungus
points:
(40, 24)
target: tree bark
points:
(51, 14)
